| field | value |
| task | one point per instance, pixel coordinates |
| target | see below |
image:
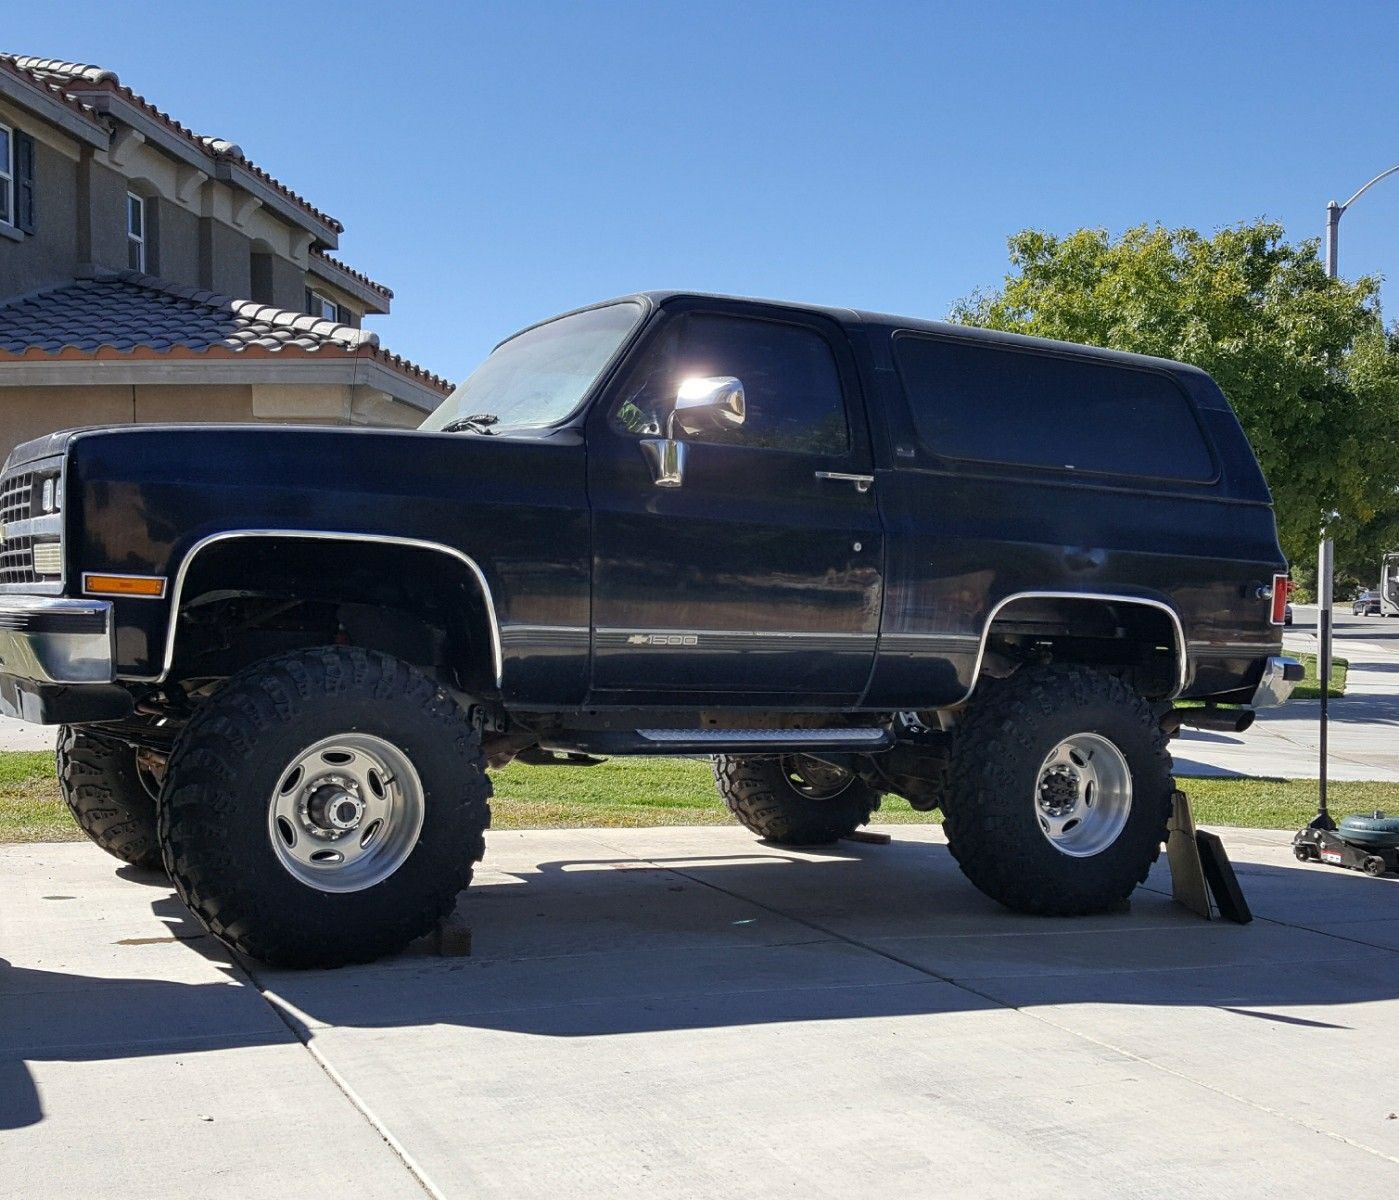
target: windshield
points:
(541, 376)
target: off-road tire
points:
(763, 799)
(107, 797)
(990, 817)
(213, 813)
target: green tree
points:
(1305, 360)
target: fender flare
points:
(177, 590)
(1182, 648)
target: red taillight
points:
(1280, 586)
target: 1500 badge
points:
(663, 639)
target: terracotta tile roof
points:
(387, 293)
(129, 314)
(44, 84)
(79, 79)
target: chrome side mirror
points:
(707, 402)
(711, 402)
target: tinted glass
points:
(1041, 410)
(790, 381)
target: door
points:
(758, 579)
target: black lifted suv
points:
(847, 555)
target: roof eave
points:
(375, 300)
(218, 366)
(22, 89)
(112, 103)
(238, 175)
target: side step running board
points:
(723, 741)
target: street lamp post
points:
(1334, 213)
(1324, 573)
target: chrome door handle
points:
(862, 483)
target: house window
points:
(7, 175)
(135, 232)
(322, 306)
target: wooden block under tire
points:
(452, 938)
(869, 836)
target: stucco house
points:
(150, 273)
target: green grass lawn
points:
(1310, 688)
(676, 792)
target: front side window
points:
(7, 175)
(791, 383)
(135, 232)
(541, 376)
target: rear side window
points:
(790, 381)
(990, 404)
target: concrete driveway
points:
(690, 1013)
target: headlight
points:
(51, 498)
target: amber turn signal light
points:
(150, 586)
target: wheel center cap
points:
(334, 807)
(1059, 791)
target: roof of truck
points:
(880, 320)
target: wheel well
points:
(1138, 640)
(244, 598)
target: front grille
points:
(16, 504)
(16, 497)
(31, 553)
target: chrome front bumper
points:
(56, 661)
(1280, 675)
(49, 640)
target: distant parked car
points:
(1367, 604)
(1287, 614)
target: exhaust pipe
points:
(1219, 720)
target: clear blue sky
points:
(495, 163)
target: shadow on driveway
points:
(646, 942)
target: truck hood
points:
(57, 443)
(43, 447)
(139, 494)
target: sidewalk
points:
(688, 1013)
(20, 735)
(1283, 743)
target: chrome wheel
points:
(1083, 795)
(814, 779)
(347, 813)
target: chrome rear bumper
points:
(1280, 675)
